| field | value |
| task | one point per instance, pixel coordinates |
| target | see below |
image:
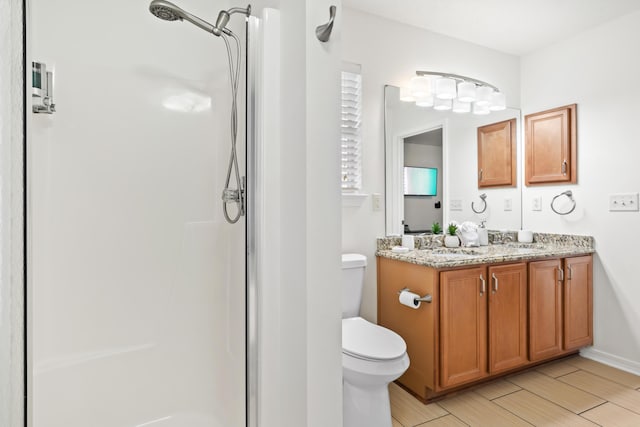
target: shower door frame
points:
(19, 247)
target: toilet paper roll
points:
(409, 299)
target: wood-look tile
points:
(497, 389)
(475, 410)
(395, 423)
(612, 374)
(557, 369)
(611, 415)
(540, 412)
(609, 390)
(409, 411)
(446, 421)
(560, 393)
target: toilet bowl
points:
(372, 356)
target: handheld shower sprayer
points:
(168, 11)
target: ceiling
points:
(516, 27)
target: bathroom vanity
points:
(494, 310)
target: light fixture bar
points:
(456, 77)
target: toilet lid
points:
(368, 341)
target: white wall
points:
(597, 70)
(301, 360)
(390, 53)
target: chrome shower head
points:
(165, 10)
(170, 12)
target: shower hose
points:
(230, 195)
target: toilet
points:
(372, 356)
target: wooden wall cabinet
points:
(484, 320)
(550, 146)
(497, 154)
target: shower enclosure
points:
(136, 282)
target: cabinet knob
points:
(483, 289)
(495, 282)
(560, 274)
(564, 167)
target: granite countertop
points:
(437, 256)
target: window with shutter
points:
(351, 107)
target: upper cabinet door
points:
(550, 146)
(497, 154)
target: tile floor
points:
(571, 392)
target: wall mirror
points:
(432, 172)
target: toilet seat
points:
(365, 340)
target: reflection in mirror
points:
(428, 139)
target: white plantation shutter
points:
(351, 108)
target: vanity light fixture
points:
(445, 91)
(405, 95)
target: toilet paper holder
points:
(426, 298)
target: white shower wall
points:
(136, 282)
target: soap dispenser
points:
(483, 235)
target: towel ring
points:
(569, 194)
(483, 196)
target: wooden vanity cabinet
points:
(485, 320)
(560, 306)
(578, 302)
(545, 309)
(550, 146)
(497, 154)
(463, 326)
(507, 317)
(416, 326)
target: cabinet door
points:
(551, 146)
(507, 317)
(545, 309)
(497, 154)
(578, 302)
(463, 326)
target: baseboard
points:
(611, 360)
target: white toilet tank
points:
(353, 266)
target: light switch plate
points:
(376, 200)
(455, 205)
(536, 203)
(623, 202)
(508, 204)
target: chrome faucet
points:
(500, 238)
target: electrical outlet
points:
(536, 203)
(508, 204)
(623, 202)
(455, 205)
(376, 200)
